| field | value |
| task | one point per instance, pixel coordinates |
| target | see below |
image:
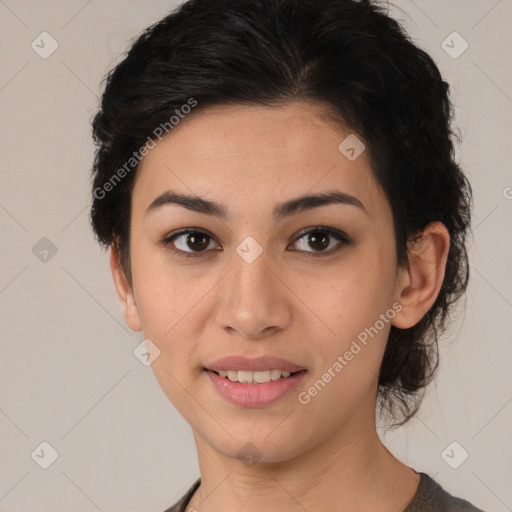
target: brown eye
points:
(188, 242)
(320, 239)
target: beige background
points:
(67, 369)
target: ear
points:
(418, 285)
(124, 291)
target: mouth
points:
(254, 389)
(254, 382)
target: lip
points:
(260, 363)
(256, 396)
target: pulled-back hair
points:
(350, 56)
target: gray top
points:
(430, 497)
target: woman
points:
(287, 224)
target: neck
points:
(350, 471)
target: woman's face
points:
(256, 285)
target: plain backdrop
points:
(68, 375)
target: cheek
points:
(354, 294)
(174, 304)
(164, 292)
(349, 361)
(356, 305)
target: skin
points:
(324, 455)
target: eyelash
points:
(167, 242)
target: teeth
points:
(232, 375)
(244, 376)
(259, 377)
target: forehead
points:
(250, 157)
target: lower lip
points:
(255, 395)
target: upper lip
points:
(239, 362)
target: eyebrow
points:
(280, 211)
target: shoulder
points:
(431, 497)
(181, 505)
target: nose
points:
(253, 301)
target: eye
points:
(196, 240)
(320, 238)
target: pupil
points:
(194, 237)
(321, 240)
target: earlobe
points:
(419, 284)
(124, 292)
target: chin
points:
(255, 449)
